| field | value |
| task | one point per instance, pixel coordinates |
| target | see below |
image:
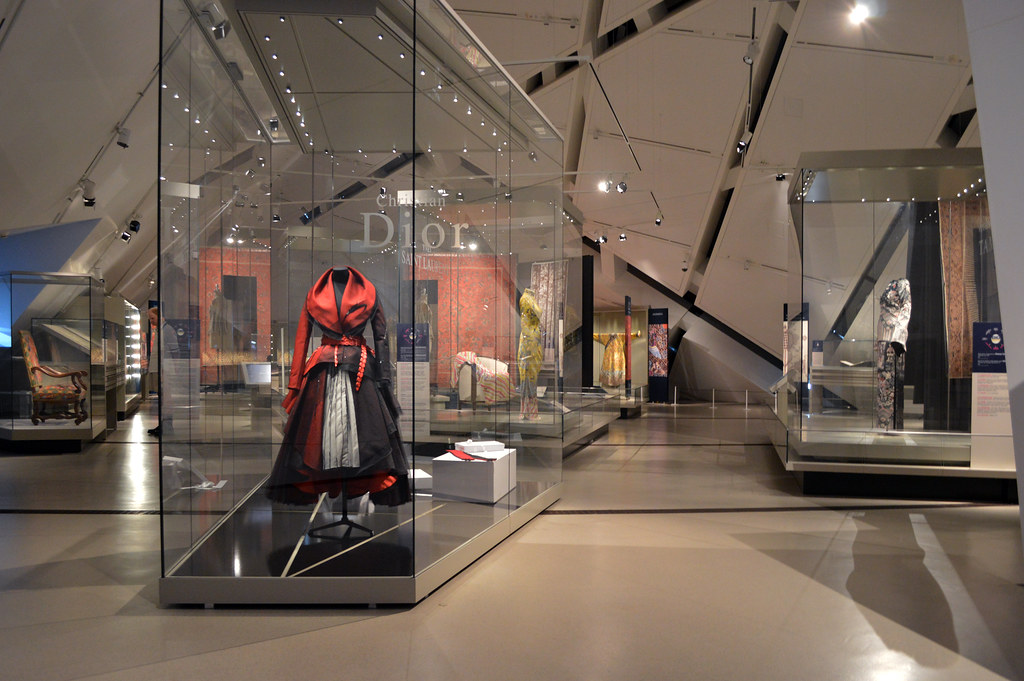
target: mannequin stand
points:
(345, 521)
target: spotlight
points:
(658, 219)
(276, 218)
(134, 225)
(859, 13)
(752, 49)
(621, 187)
(605, 186)
(88, 192)
(221, 30)
(744, 142)
(780, 177)
(383, 191)
(274, 124)
(602, 239)
(622, 237)
(533, 156)
(126, 236)
(123, 135)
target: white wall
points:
(995, 30)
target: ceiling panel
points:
(556, 101)
(722, 18)
(757, 225)
(659, 89)
(747, 298)
(512, 39)
(655, 257)
(615, 12)
(65, 84)
(831, 100)
(919, 27)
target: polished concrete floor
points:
(680, 550)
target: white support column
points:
(995, 30)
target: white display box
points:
(479, 446)
(485, 481)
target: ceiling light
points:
(658, 219)
(859, 13)
(621, 187)
(533, 156)
(622, 237)
(602, 239)
(221, 30)
(276, 218)
(123, 135)
(126, 236)
(780, 177)
(744, 142)
(605, 186)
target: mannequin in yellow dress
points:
(613, 366)
(530, 355)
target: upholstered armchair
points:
(52, 398)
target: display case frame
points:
(875, 231)
(369, 171)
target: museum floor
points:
(680, 550)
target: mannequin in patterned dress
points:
(891, 354)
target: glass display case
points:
(51, 353)
(368, 304)
(892, 304)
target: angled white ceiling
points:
(678, 87)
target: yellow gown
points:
(613, 366)
(530, 355)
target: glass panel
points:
(214, 335)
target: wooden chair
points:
(53, 400)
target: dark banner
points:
(657, 353)
(629, 346)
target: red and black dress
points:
(342, 432)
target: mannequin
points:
(342, 434)
(890, 354)
(530, 354)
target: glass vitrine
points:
(371, 277)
